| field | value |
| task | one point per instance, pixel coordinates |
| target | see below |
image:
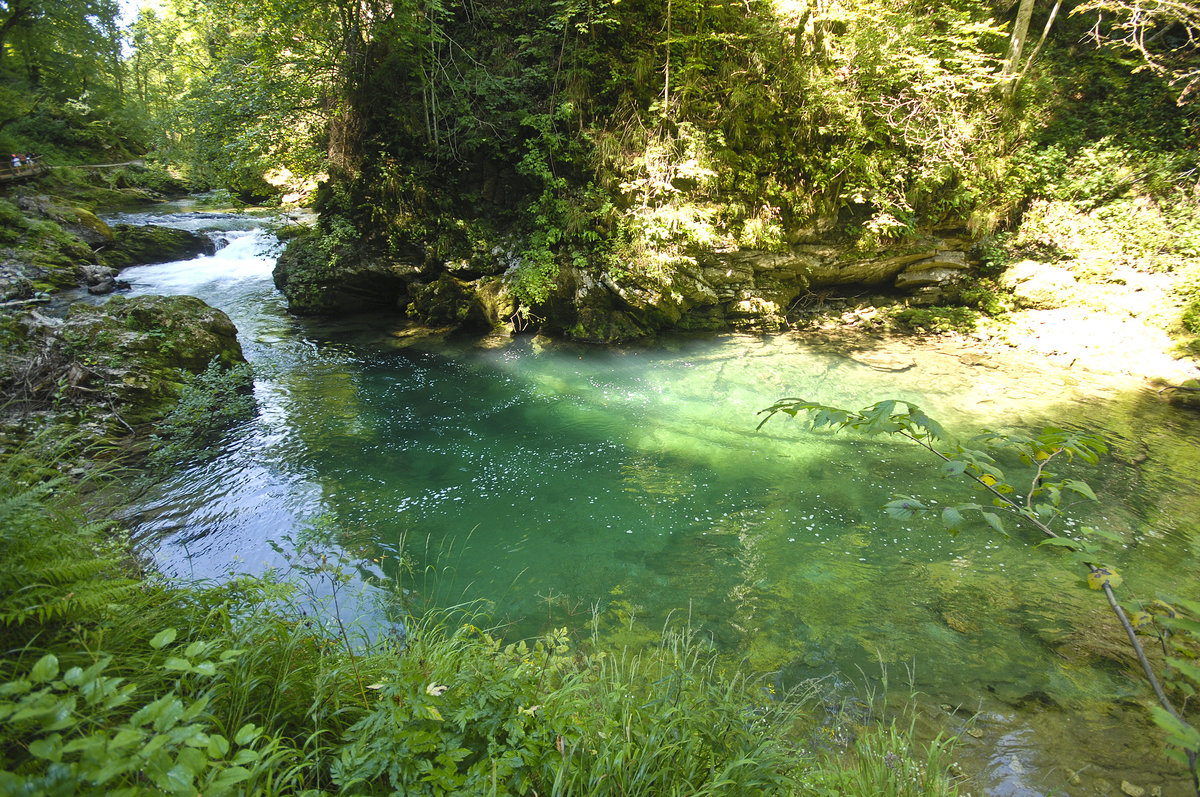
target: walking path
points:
(10, 175)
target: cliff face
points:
(612, 173)
(712, 290)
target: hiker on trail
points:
(16, 162)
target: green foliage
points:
(79, 736)
(235, 90)
(58, 567)
(1188, 290)
(210, 402)
(462, 712)
(884, 763)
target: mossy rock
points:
(320, 277)
(132, 245)
(1186, 395)
(136, 350)
(47, 245)
(447, 301)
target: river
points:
(556, 480)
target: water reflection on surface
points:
(550, 478)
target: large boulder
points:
(134, 352)
(137, 245)
(1039, 286)
(322, 279)
(76, 221)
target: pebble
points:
(1131, 789)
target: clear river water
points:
(550, 479)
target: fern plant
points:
(57, 567)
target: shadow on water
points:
(549, 479)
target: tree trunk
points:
(1016, 42)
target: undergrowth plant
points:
(210, 402)
(59, 566)
(1039, 498)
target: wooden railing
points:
(8, 174)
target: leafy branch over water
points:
(1039, 499)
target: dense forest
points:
(594, 170)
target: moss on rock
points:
(134, 353)
(131, 245)
(322, 275)
(447, 301)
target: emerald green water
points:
(551, 479)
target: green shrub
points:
(79, 736)
(461, 712)
(210, 402)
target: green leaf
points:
(48, 749)
(1111, 536)
(1179, 732)
(45, 669)
(218, 746)
(247, 734)
(1062, 542)
(994, 521)
(954, 468)
(229, 777)
(1079, 487)
(247, 755)
(1188, 669)
(952, 519)
(163, 638)
(903, 508)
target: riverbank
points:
(1126, 323)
